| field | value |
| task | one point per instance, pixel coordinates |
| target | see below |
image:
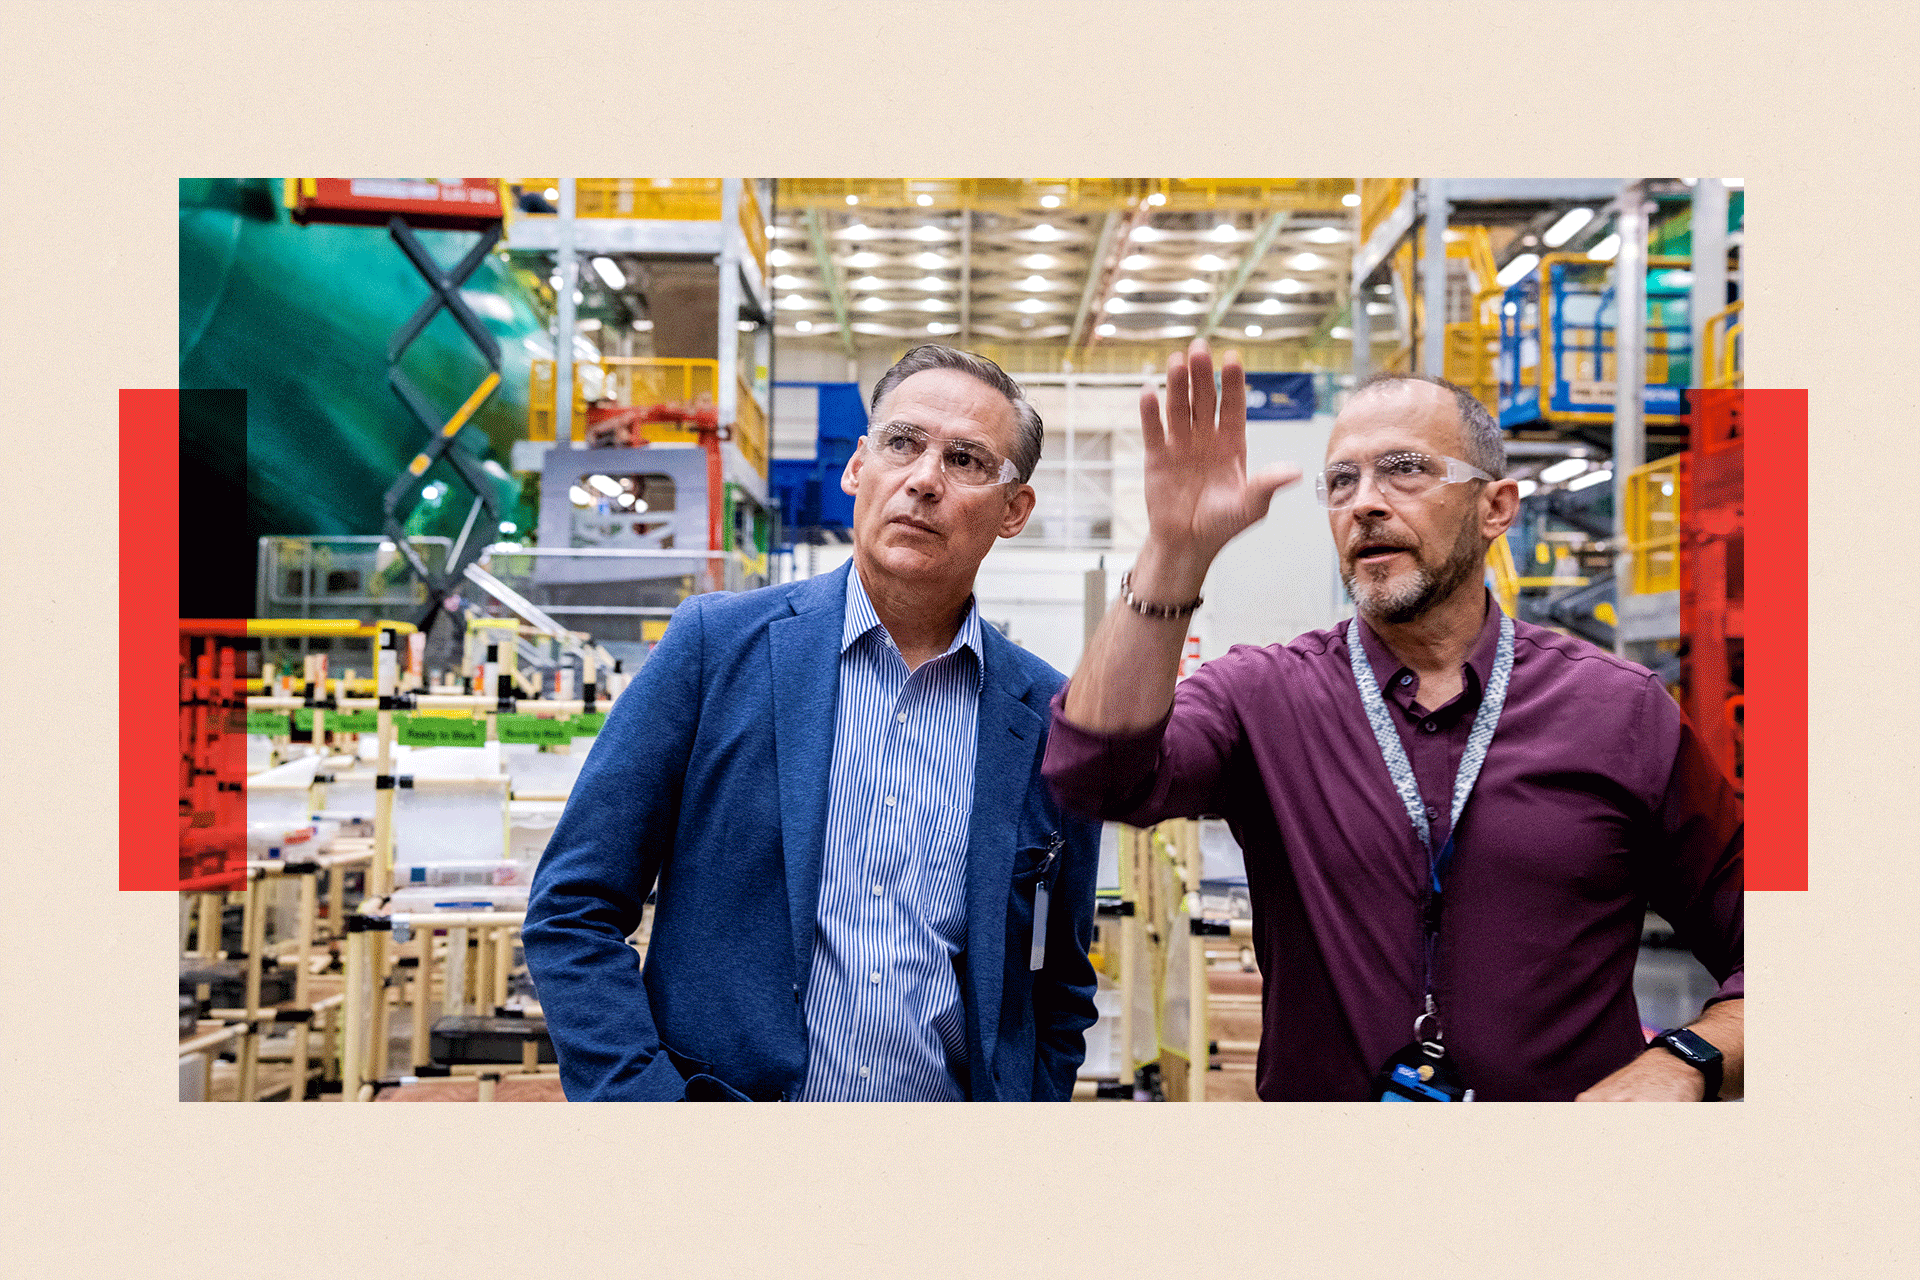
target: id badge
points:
(1421, 1072)
(1037, 954)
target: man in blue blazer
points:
(864, 888)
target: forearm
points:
(1658, 1076)
(1724, 1026)
(1125, 682)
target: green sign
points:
(525, 728)
(272, 723)
(586, 726)
(441, 731)
(339, 721)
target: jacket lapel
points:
(805, 653)
(1009, 743)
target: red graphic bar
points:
(1776, 644)
(149, 639)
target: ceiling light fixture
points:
(1351, 199)
(1254, 331)
(1049, 202)
(1565, 469)
(853, 199)
(1589, 480)
(1106, 330)
(1157, 199)
(1517, 269)
(1604, 251)
(1569, 222)
(609, 270)
(923, 200)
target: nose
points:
(927, 476)
(1368, 495)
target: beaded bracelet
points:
(1156, 610)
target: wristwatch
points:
(1696, 1053)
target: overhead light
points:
(578, 297)
(581, 498)
(1325, 235)
(770, 228)
(1383, 289)
(1030, 305)
(853, 199)
(1351, 199)
(931, 261)
(610, 272)
(873, 304)
(923, 200)
(1106, 330)
(796, 302)
(778, 257)
(589, 325)
(1254, 331)
(1604, 251)
(1185, 307)
(1127, 286)
(1145, 234)
(1306, 262)
(552, 193)
(1562, 231)
(642, 326)
(1208, 262)
(1511, 309)
(931, 282)
(934, 327)
(1382, 308)
(1517, 269)
(804, 326)
(1049, 202)
(1528, 488)
(864, 259)
(508, 526)
(869, 282)
(933, 304)
(1134, 261)
(1271, 307)
(1589, 480)
(1565, 469)
(624, 499)
(1116, 305)
(748, 326)
(928, 232)
(554, 281)
(1039, 261)
(431, 493)
(1340, 333)
(1157, 198)
(605, 484)
(789, 282)
(1224, 231)
(1043, 229)
(1034, 282)
(1289, 285)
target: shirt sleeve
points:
(1172, 770)
(1696, 875)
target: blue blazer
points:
(710, 778)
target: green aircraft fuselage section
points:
(300, 318)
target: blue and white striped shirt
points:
(884, 1018)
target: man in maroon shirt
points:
(1590, 801)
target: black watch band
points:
(1696, 1053)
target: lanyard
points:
(1388, 738)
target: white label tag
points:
(1038, 956)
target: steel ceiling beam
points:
(1096, 270)
(1105, 270)
(823, 257)
(1262, 241)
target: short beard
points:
(1421, 590)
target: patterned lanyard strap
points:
(1395, 755)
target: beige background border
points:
(108, 104)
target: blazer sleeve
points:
(600, 864)
(1063, 990)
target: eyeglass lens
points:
(964, 461)
(1405, 475)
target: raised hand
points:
(1199, 495)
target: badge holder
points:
(1421, 1072)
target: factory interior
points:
(534, 416)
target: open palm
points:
(1199, 495)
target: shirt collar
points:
(1475, 672)
(861, 620)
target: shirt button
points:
(889, 800)
(1431, 726)
(873, 977)
(1406, 679)
(865, 1072)
(1432, 812)
(902, 717)
(876, 891)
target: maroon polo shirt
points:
(1596, 800)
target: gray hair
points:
(1029, 430)
(1486, 447)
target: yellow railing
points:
(1652, 524)
(750, 430)
(630, 381)
(1069, 195)
(753, 224)
(1506, 577)
(1378, 198)
(670, 199)
(1720, 355)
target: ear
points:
(850, 477)
(1499, 507)
(1019, 507)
